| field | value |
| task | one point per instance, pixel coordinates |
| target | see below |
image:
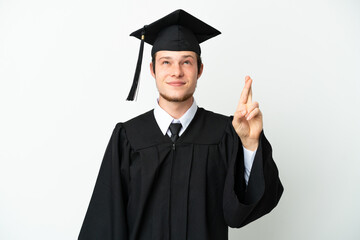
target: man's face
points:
(176, 74)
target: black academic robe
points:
(151, 189)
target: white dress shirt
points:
(164, 120)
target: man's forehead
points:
(175, 54)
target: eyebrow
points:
(165, 58)
(184, 56)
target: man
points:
(179, 171)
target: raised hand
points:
(247, 120)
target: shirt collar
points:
(164, 119)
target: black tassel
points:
(135, 84)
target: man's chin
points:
(176, 99)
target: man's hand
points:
(247, 120)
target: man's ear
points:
(152, 70)
(200, 71)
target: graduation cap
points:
(177, 31)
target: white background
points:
(66, 68)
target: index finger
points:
(249, 99)
(246, 94)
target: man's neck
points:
(175, 109)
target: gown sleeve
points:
(243, 204)
(106, 215)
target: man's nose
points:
(177, 70)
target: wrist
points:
(250, 144)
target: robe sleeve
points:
(106, 215)
(243, 204)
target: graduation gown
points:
(150, 188)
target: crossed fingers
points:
(247, 108)
(246, 94)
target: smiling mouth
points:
(176, 83)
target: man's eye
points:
(165, 62)
(187, 62)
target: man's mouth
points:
(176, 83)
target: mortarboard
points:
(177, 31)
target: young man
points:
(179, 171)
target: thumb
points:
(239, 116)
